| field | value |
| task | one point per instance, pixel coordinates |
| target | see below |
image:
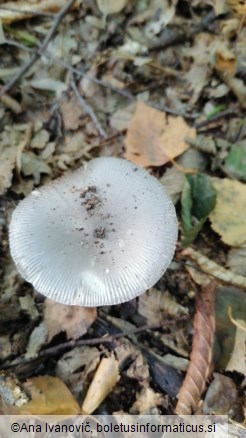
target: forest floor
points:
(160, 83)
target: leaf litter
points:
(164, 84)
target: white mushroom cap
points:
(101, 235)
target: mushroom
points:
(100, 235)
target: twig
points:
(74, 70)
(41, 50)
(88, 109)
(77, 343)
(221, 115)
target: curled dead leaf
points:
(106, 377)
(202, 353)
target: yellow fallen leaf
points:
(228, 218)
(153, 138)
(49, 396)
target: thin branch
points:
(72, 69)
(88, 109)
(79, 342)
(216, 117)
(41, 50)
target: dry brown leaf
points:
(202, 353)
(72, 114)
(153, 138)
(146, 400)
(74, 320)
(106, 377)
(121, 118)
(49, 396)
(7, 164)
(225, 61)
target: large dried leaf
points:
(49, 396)
(202, 353)
(228, 218)
(74, 320)
(153, 138)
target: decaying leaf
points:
(226, 331)
(74, 320)
(76, 367)
(153, 138)
(214, 269)
(175, 341)
(8, 16)
(146, 400)
(237, 358)
(228, 218)
(72, 114)
(75, 359)
(106, 377)
(204, 143)
(121, 118)
(221, 396)
(37, 339)
(201, 357)
(7, 164)
(139, 369)
(11, 393)
(155, 304)
(235, 163)
(173, 181)
(225, 61)
(198, 200)
(237, 260)
(49, 396)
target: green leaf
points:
(198, 200)
(235, 163)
